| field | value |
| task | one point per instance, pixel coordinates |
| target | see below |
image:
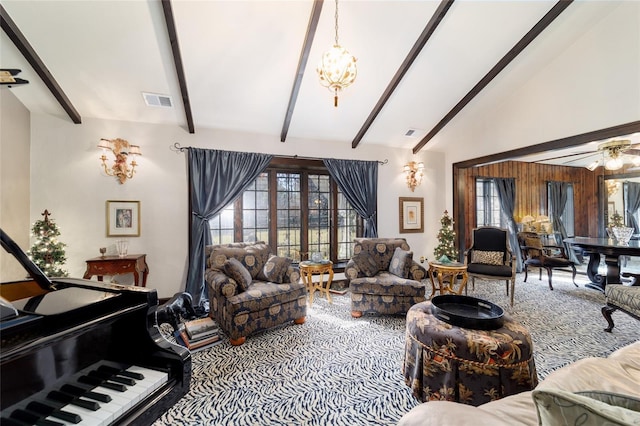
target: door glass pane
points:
(319, 204)
(288, 214)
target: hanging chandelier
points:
(337, 68)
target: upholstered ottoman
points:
(448, 363)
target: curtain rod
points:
(177, 148)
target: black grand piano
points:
(82, 352)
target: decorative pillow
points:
(366, 264)
(580, 408)
(234, 269)
(401, 263)
(487, 257)
(275, 268)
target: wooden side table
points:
(308, 268)
(447, 276)
(116, 265)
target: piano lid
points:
(62, 301)
(38, 276)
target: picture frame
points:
(611, 208)
(123, 218)
(411, 214)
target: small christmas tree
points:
(47, 252)
(446, 237)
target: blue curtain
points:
(216, 178)
(632, 204)
(558, 200)
(507, 195)
(358, 181)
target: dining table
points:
(612, 251)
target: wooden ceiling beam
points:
(29, 53)
(302, 65)
(429, 29)
(575, 140)
(535, 31)
(177, 61)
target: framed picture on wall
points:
(411, 214)
(123, 218)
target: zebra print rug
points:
(336, 370)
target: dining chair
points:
(548, 257)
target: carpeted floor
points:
(336, 370)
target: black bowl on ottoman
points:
(445, 362)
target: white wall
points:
(68, 181)
(14, 180)
(593, 84)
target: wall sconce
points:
(120, 149)
(414, 174)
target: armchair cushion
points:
(492, 270)
(236, 270)
(401, 263)
(252, 255)
(366, 264)
(487, 257)
(276, 268)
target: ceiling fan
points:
(615, 153)
(612, 155)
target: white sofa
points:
(619, 373)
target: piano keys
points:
(97, 395)
(84, 352)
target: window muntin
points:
(297, 212)
(488, 211)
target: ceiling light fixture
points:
(612, 155)
(614, 150)
(120, 149)
(337, 68)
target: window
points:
(567, 216)
(488, 211)
(297, 211)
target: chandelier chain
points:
(336, 17)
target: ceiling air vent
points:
(155, 100)
(411, 133)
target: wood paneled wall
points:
(531, 193)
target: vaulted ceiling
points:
(250, 65)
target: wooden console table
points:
(116, 265)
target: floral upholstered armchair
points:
(251, 290)
(383, 277)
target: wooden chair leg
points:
(549, 274)
(606, 312)
(513, 290)
(237, 342)
(574, 275)
(526, 272)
